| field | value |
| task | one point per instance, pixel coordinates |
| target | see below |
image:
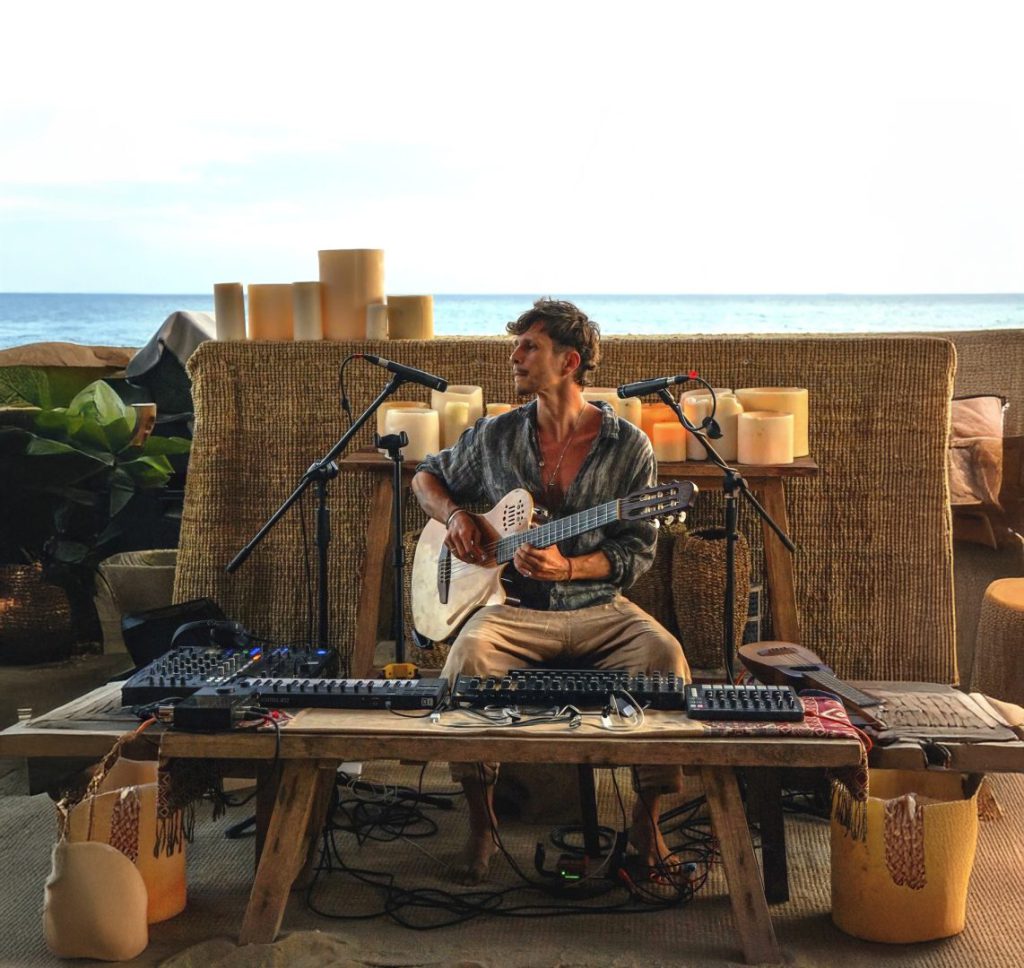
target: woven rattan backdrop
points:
(873, 566)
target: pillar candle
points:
(472, 395)
(350, 279)
(631, 409)
(669, 442)
(652, 413)
(494, 409)
(422, 427)
(785, 400)
(382, 412)
(270, 311)
(229, 310)
(454, 421)
(306, 310)
(764, 437)
(696, 407)
(607, 394)
(376, 321)
(411, 317)
(726, 414)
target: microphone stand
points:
(732, 484)
(319, 472)
(393, 444)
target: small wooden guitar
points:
(446, 591)
(784, 663)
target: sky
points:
(641, 147)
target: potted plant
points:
(79, 485)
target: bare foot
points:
(645, 837)
(473, 866)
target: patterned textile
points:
(904, 841)
(824, 717)
(124, 823)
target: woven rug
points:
(702, 933)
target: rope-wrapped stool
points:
(999, 648)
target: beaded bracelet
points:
(568, 561)
(448, 523)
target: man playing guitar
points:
(570, 455)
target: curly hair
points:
(569, 328)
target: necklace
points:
(568, 441)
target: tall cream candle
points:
(382, 413)
(229, 310)
(495, 409)
(764, 437)
(411, 317)
(306, 310)
(454, 420)
(784, 400)
(270, 311)
(669, 442)
(420, 425)
(696, 408)
(631, 409)
(376, 321)
(607, 395)
(726, 415)
(351, 279)
(471, 395)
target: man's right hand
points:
(470, 538)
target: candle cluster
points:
(347, 302)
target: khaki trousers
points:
(616, 635)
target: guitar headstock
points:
(673, 498)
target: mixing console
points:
(183, 671)
(583, 688)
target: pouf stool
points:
(999, 647)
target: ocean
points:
(118, 319)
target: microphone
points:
(643, 387)
(408, 372)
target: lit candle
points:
(494, 409)
(474, 396)
(652, 413)
(764, 437)
(411, 317)
(270, 311)
(351, 280)
(420, 425)
(696, 408)
(454, 421)
(382, 412)
(306, 310)
(784, 400)
(726, 415)
(229, 310)
(605, 394)
(669, 442)
(631, 409)
(376, 321)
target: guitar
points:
(446, 591)
(784, 663)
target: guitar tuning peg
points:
(669, 518)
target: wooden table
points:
(318, 741)
(766, 481)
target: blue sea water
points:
(117, 319)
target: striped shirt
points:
(499, 454)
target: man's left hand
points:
(542, 564)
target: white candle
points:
(669, 442)
(229, 310)
(606, 394)
(652, 413)
(631, 410)
(726, 416)
(382, 413)
(784, 400)
(420, 425)
(376, 321)
(472, 395)
(270, 311)
(696, 407)
(351, 279)
(765, 437)
(494, 409)
(306, 312)
(454, 421)
(411, 317)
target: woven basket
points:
(652, 591)
(698, 581)
(35, 617)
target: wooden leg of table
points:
(378, 535)
(779, 564)
(327, 779)
(746, 893)
(283, 851)
(267, 777)
(764, 801)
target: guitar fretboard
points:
(555, 531)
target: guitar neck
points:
(555, 531)
(829, 682)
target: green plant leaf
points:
(122, 489)
(22, 386)
(58, 422)
(148, 472)
(107, 423)
(165, 445)
(69, 552)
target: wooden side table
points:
(767, 481)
